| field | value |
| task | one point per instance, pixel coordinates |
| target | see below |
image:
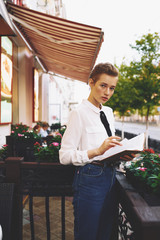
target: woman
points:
(84, 144)
(37, 129)
(43, 131)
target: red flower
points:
(5, 145)
(36, 144)
(142, 169)
(149, 150)
(58, 134)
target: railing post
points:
(10, 143)
(13, 175)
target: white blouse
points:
(43, 133)
(84, 132)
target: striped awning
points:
(64, 47)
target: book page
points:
(133, 144)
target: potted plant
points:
(144, 174)
(47, 153)
(21, 140)
(3, 152)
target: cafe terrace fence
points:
(137, 220)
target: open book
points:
(133, 145)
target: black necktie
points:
(105, 123)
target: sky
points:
(122, 21)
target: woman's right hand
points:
(108, 143)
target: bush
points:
(146, 170)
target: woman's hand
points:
(108, 143)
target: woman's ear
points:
(90, 82)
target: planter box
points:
(47, 179)
(21, 147)
(138, 219)
(144, 190)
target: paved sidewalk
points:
(137, 128)
(55, 219)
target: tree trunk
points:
(147, 125)
(122, 132)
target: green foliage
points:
(148, 47)
(139, 83)
(21, 131)
(121, 101)
(56, 138)
(145, 74)
(55, 126)
(47, 154)
(40, 123)
(62, 130)
(147, 170)
(3, 152)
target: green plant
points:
(3, 152)
(147, 170)
(55, 126)
(47, 154)
(21, 131)
(39, 123)
(62, 130)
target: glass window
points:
(6, 80)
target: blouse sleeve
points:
(69, 153)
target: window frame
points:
(6, 123)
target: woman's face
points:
(102, 90)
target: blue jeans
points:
(94, 202)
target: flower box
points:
(144, 173)
(139, 219)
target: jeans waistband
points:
(100, 164)
(104, 163)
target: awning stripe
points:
(72, 50)
(65, 47)
(50, 38)
(74, 31)
(74, 46)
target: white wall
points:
(67, 93)
(4, 131)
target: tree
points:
(121, 101)
(145, 75)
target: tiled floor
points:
(55, 219)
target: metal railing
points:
(36, 179)
(53, 179)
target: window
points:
(6, 70)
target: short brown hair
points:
(101, 68)
(45, 124)
(36, 127)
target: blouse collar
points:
(92, 106)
